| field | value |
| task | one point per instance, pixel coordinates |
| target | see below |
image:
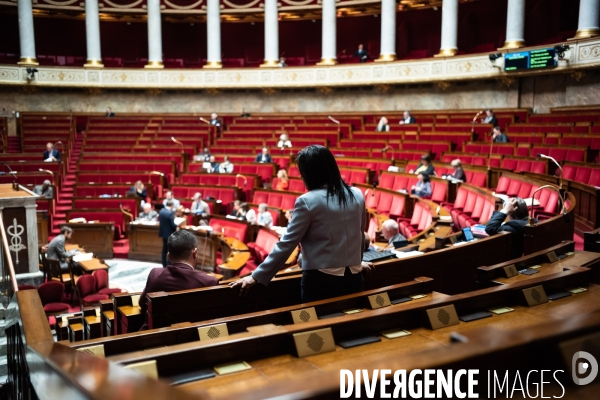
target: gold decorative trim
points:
(93, 64)
(28, 61)
(513, 44)
(270, 64)
(327, 61)
(386, 58)
(213, 65)
(586, 33)
(447, 52)
(188, 7)
(132, 5)
(154, 65)
(238, 6)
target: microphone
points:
(125, 212)
(243, 177)
(556, 163)
(335, 121)
(386, 148)
(59, 142)
(154, 173)
(205, 121)
(176, 141)
(15, 183)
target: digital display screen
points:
(534, 59)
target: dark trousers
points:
(317, 285)
(165, 262)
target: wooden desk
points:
(130, 318)
(96, 238)
(144, 242)
(42, 227)
(208, 245)
(92, 327)
(234, 254)
(92, 265)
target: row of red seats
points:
(273, 198)
(420, 221)
(514, 185)
(264, 171)
(588, 174)
(476, 178)
(403, 181)
(559, 152)
(225, 195)
(472, 206)
(294, 185)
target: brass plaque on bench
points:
(305, 315)
(442, 317)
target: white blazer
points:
(331, 235)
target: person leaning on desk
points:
(329, 222)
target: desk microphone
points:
(243, 177)
(555, 162)
(15, 183)
(335, 121)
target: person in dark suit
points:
(407, 118)
(214, 120)
(361, 53)
(166, 227)
(490, 118)
(51, 153)
(182, 273)
(498, 136)
(264, 157)
(109, 113)
(517, 210)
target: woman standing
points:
(329, 222)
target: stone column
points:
(271, 34)
(449, 45)
(515, 25)
(388, 31)
(154, 35)
(26, 35)
(213, 34)
(328, 38)
(92, 34)
(588, 25)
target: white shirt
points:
(251, 216)
(282, 144)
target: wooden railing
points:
(40, 368)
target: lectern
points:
(18, 208)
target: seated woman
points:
(284, 141)
(425, 166)
(383, 125)
(283, 182)
(226, 167)
(423, 186)
(459, 173)
(139, 190)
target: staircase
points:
(65, 194)
(65, 201)
(14, 144)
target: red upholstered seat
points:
(94, 298)
(26, 287)
(583, 174)
(102, 283)
(56, 307)
(397, 206)
(86, 286)
(503, 184)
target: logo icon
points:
(15, 231)
(443, 317)
(315, 342)
(579, 367)
(304, 316)
(379, 300)
(213, 333)
(536, 295)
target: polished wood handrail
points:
(9, 262)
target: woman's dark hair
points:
(244, 207)
(425, 157)
(425, 176)
(318, 169)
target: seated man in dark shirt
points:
(498, 136)
(361, 53)
(517, 210)
(182, 274)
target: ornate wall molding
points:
(583, 54)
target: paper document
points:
(83, 257)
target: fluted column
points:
(388, 31)
(26, 36)
(271, 34)
(154, 35)
(328, 38)
(515, 25)
(92, 35)
(213, 34)
(449, 45)
(588, 25)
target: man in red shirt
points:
(182, 274)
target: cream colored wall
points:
(540, 93)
